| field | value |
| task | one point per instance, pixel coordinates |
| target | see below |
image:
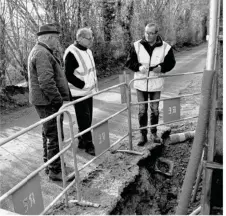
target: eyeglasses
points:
(90, 38)
(151, 33)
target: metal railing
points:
(73, 144)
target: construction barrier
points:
(30, 189)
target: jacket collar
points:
(79, 46)
(158, 42)
(46, 46)
(50, 50)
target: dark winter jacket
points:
(47, 81)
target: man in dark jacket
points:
(149, 57)
(47, 90)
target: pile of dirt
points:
(13, 97)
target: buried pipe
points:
(180, 137)
(198, 143)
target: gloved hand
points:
(143, 69)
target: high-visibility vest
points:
(157, 57)
(86, 71)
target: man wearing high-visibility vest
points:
(81, 74)
(149, 57)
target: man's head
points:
(49, 35)
(151, 32)
(84, 37)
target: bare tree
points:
(3, 64)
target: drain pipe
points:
(204, 111)
(180, 137)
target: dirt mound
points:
(12, 97)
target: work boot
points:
(81, 143)
(90, 151)
(58, 176)
(143, 140)
(155, 138)
(90, 148)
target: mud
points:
(154, 193)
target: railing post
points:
(60, 140)
(128, 100)
(128, 103)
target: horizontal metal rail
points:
(163, 99)
(170, 122)
(99, 123)
(165, 75)
(91, 95)
(23, 131)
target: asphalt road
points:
(23, 155)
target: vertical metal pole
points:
(59, 131)
(74, 150)
(217, 33)
(203, 115)
(128, 100)
(211, 65)
(212, 35)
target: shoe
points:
(58, 176)
(143, 140)
(90, 151)
(155, 138)
(55, 176)
(81, 143)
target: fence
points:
(32, 202)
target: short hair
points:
(82, 32)
(153, 25)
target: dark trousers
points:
(143, 110)
(84, 114)
(50, 135)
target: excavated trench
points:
(153, 193)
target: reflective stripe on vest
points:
(85, 72)
(82, 61)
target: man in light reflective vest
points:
(81, 74)
(149, 57)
